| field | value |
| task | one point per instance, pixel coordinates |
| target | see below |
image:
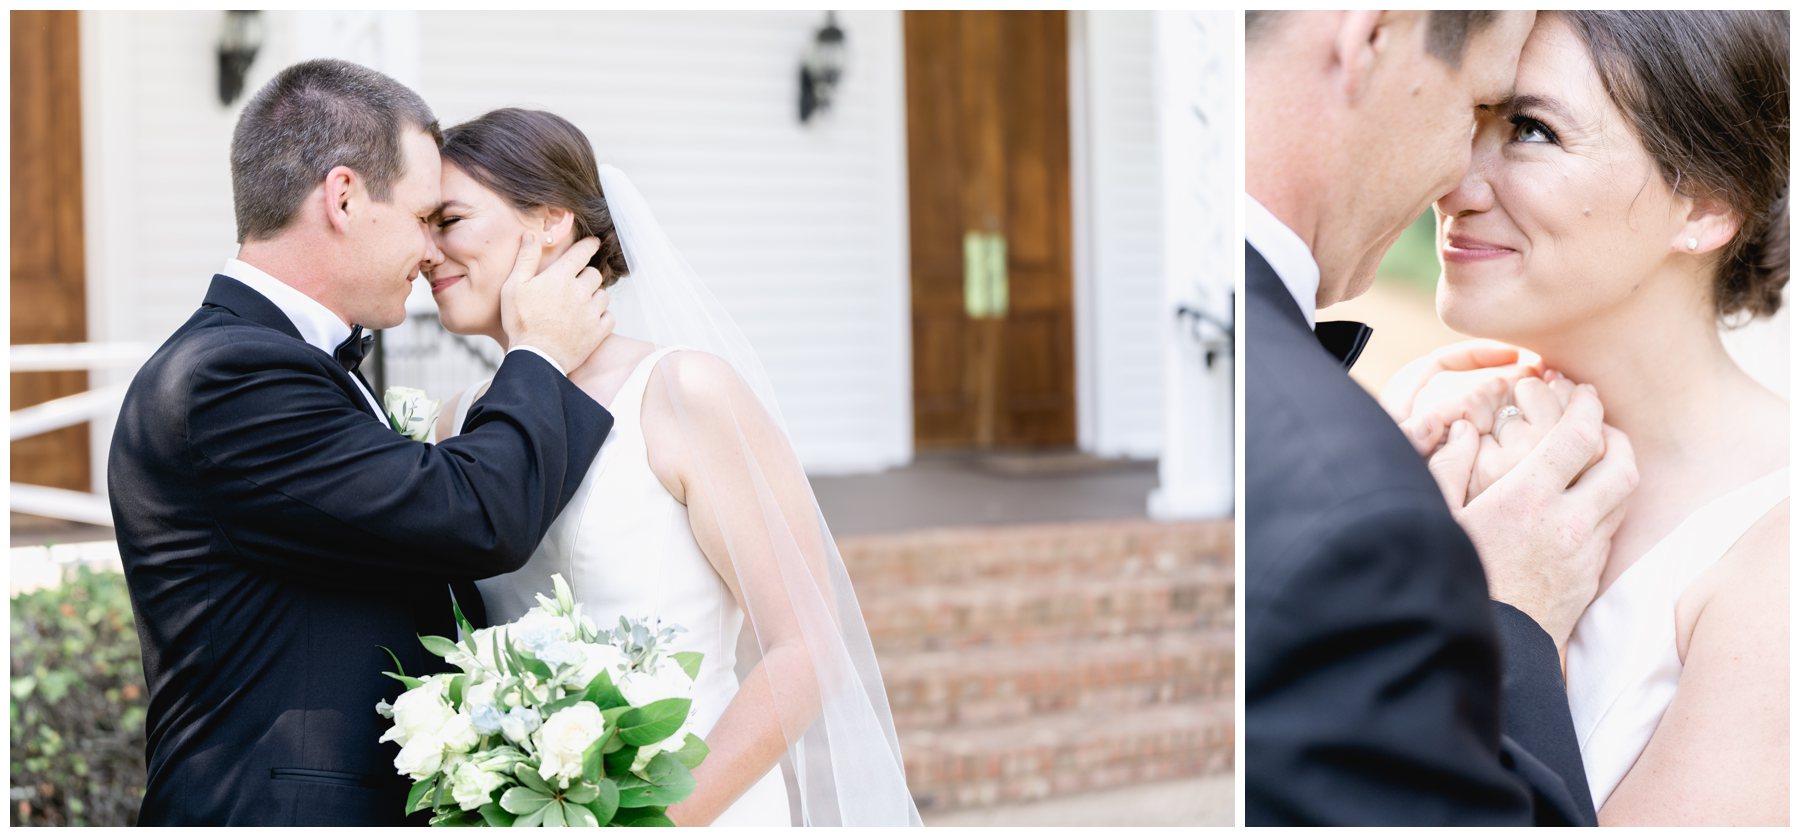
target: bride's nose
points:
(1475, 191)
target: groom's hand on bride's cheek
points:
(1543, 534)
(559, 310)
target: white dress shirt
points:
(318, 326)
(1287, 253)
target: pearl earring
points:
(549, 240)
(1693, 244)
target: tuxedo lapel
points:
(241, 300)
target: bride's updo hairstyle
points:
(1707, 94)
(536, 159)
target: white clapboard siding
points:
(1125, 238)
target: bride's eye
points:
(444, 223)
(1526, 129)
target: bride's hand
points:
(1468, 381)
(1539, 403)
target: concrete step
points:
(1063, 550)
(1070, 752)
(1015, 614)
(1004, 684)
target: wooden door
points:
(49, 300)
(988, 167)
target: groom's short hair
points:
(309, 119)
(1447, 33)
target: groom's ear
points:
(1360, 35)
(1711, 224)
(342, 188)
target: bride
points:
(697, 511)
(1630, 198)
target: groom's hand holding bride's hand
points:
(560, 311)
(1466, 381)
(1543, 528)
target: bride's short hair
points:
(1707, 94)
(534, 158)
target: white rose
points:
(520, 723)
(642, 688)
(410, 413)
(420, 710)
(561, 653)
(472, 786)
(563, 740)
(459, 734)
(421, 757)
(536, 630)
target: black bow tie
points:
(350, 353)
(1344, 340)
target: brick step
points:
(1014, 614)
(1085, 549)
(1069, 752)
(999, 685)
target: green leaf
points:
(606, 801)
(618, 762)
(397, 666)
(496, 816)
(655, 722)
(554, 817)
(456, 690)
(579, 816)
(462, 621)
(416, 798)
(533, 819)
(532, 780)
(454, 819)
(643, 818)
(593, 765)
(602, 693)
(692, 752)
(556, 706)
(689, 662)
(669, 782)
(409, 682)
(523, 801)
(438, 645)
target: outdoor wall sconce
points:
(238, 44)
(821, 69)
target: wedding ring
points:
(1506, 412)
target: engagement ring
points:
(1506, 412)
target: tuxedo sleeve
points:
(1540, 737)
(307, 483)
(1374, 695)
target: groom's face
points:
(1415, 141)
(393, 240)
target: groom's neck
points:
(294, 264)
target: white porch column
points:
(1197, 125)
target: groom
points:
(275, 531)
(1381, 684)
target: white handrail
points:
(67, 411)
(60, 357)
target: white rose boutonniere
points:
(410, 413)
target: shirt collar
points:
(1287, 253)
(317, 325)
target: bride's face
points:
(478, 232)
(1562, 215)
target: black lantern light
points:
(238, 44)
(823, 66)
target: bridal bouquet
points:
(550, 722)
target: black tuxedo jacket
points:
(275, 534)
(1381, 686)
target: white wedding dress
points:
(626, 549)
(1623, 668)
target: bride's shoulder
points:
(701, 384)
(1744, 593)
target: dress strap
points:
(463, 404)
(1701, 540)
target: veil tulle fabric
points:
(842, 763)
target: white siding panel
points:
(1126, 259)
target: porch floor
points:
(934, 491)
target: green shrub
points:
(78, 704)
